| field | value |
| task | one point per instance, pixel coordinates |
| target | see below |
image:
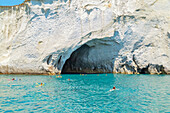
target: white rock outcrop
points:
(85, 36)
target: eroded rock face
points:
(82, 36)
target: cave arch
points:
(96, 56)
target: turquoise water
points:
(88, 93)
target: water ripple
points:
(90, 93)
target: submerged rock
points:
(82, 36)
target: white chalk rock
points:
(85, 36)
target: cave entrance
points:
(96, 56)
(77, 63)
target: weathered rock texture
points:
(85, 36)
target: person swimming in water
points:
(42, 84)
(114, 88)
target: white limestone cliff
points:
(85, 36)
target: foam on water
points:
(89, 93)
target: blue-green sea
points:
(85, 93)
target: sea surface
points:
(85, 93)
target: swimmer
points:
(13, 79)
(58, 76)
(68, 79)
(114, 88)
(39, 85)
